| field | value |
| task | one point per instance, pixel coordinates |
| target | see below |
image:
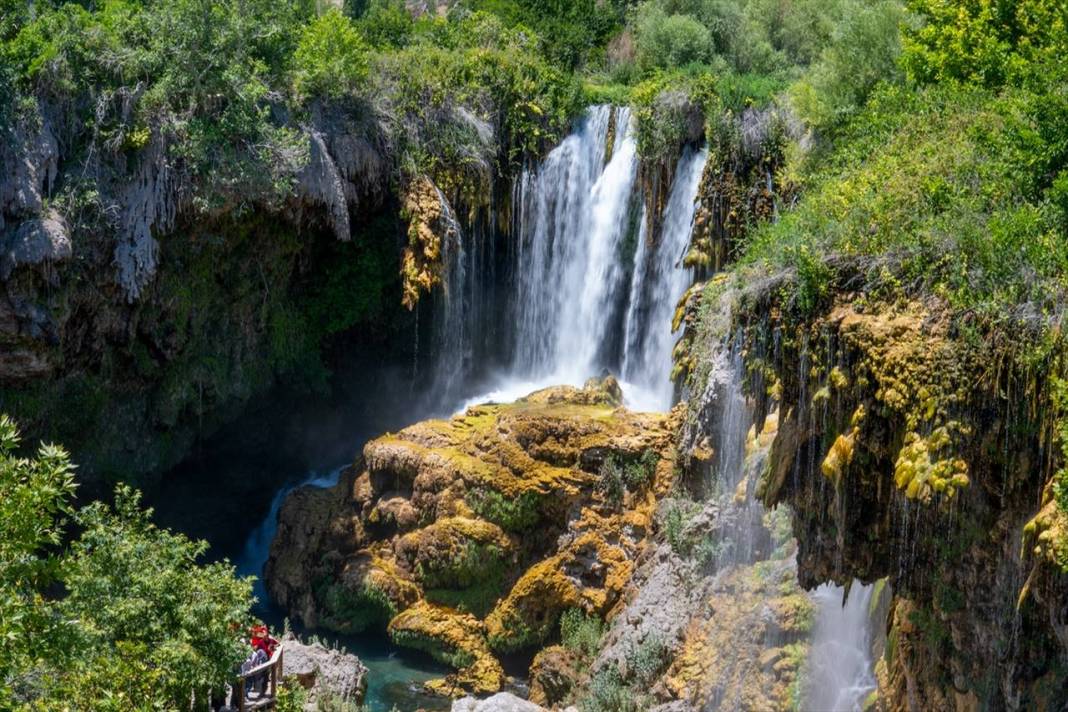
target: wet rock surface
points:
(470, 537)
(906, 450)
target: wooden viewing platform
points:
(267, 698)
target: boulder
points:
(324, 672)
(501, 702)
(34, 242)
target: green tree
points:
(987, 42)
(123, 617)
(667, 41)
(35, 497)
(331, 57)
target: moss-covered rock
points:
(907, 446)
(470, 536)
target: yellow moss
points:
(839, 457)
(454, 638)
(920, 473)
(838, 378)
(424, 208)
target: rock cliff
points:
(916, 444)
(468, 538)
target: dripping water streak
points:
(660, 279)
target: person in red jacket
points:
(261, 640)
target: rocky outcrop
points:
(713, 617)
(327, 674)
(501, 702)
(912, 443)
(129, 278)
(470, 537)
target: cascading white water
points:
(452, 307)
(572, 224)
(577, 217)
(258, 544)
(660, 279)
(839, 662)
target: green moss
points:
(477, 599)
(458, 659)
(353, 611)
(475, 565)
(581, 632)
(516, 514)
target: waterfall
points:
(258, 545)
(452, 309)
(572, 224)
(578, 216)
(839, 663)
(659, 282)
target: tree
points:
(123, 617)
(35, 498)
(988, 42)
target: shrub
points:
(123, 616)
(666, 41)
(647, 660)
(862, 52)
(607, 692)
(331, 58)
(610, 482)
(986, 42)
(516, 514)
(581, 633)
(640, 472)
(386, 24)
(675, 516)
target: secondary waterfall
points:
(659, 282)
(839, 663)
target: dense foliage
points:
(121, 616)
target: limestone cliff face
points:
(469, 537)
(915, 446)
(127, 282)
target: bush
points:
(581, 633)
(607, 692)
(640, 472)
(667, 41)
(386, 24)
(988, 42)
(610, 482)
(331, 57)
(647, 660)
(862, 52)
(516, 514)
(124, 616)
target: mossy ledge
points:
(916, 443)
(472, 536)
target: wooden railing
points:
(268, 697)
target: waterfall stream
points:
(839, 663)
(592, 291)
(572, 225)
(659, 281)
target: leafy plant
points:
(610, 482)
(331, 57)
(581, 632)
(123, 615)
(514, 514)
